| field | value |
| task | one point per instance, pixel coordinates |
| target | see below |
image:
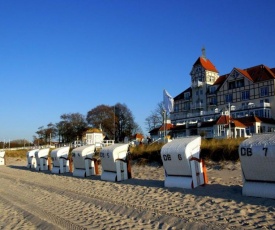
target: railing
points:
(197, 106)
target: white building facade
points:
(245, 96)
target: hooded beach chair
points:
(31, 161)
(60, 161)
(115, 162)
(182, 163)
(41, 157)
(2, 158)
(257, 156)
(84, 162)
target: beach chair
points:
(41, 157)
(182, 163)
(60, 161)
(2, 158)
(31, 161)
(115, 162)
(84, 162)
(257, 156)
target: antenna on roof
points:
(203, 52)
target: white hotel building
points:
(237, 104)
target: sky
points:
(69, 56)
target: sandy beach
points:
(41, 200)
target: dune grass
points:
(21, 153)
(214, 149)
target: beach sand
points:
(41, 200)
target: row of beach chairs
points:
(114, 161)
(181, 161)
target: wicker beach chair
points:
(115, 164)
(182, 164)
(60, 160)
(41, 157)
(257, 156)
(84, 162)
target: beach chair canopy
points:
(257, 156)
(176, 155)
(110, 154)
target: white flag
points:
(168, 102)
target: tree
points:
(102, 116)
(41, 135)
(116, 121)
(125, 124)
(155, 119)
(50, 132)
(71, 127)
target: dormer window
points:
(187, 95)
(235, 74)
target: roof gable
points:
(206, 64)
(260, 73)
(181, 95)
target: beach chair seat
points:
(2, 158)
(41, 157)
(31, 160)
(182, 163)
(84, 162)
(257, 156)
(115, 163)
(60, 160)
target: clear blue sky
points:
(68, 56)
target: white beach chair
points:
(257, 156)
(182, 164)
(41, 157)
(31, 160)
(2, 158)
(115, 164)
(84, 163)
(60, 161)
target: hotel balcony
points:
(264, 105)
(197, 106)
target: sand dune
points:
(41, 200)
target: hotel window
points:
(176, 109)
(213, 101)
(212, 89)
(264, 91)
(186, 106)
(245, 95)
(187, 96)
(228, 98)
(240, 83)
(231, 85)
